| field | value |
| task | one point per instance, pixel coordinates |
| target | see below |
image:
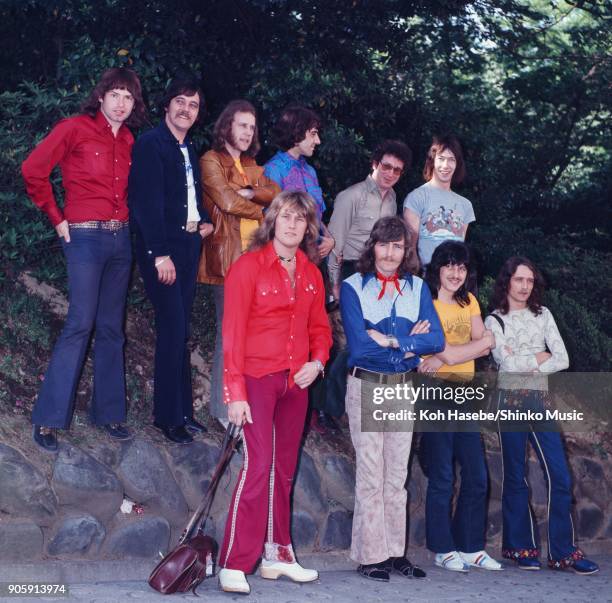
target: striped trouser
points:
(379, 521)
(260, 508)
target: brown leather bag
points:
(193, 558)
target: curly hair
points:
(438, 145)
(292, 126)
(452, 253)
(123, 79)
(499, 297)
(222, 132)
(300, 202)
(398, 149)
(387, 230)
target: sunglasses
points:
(386, 167)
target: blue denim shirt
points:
(361, 310)
(157, 189)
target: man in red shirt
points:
(276, 340)
(93, 151)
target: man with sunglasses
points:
(356, 210)
(358, 207)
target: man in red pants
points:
(276, 340)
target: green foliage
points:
(525, 84)
(588, 347)
(25, 321)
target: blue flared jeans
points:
(465, 530)
(98, 265)
(520, 527)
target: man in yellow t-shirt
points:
(458, 544)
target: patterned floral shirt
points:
(295, 175)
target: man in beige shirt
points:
(358, 207)
(356, 210)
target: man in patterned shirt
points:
(297, 135)
(528, 344)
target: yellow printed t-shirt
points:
(457, 326)
(247, 226)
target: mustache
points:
(183, 114)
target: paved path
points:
(338, 583)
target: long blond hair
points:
(304, 204)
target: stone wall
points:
(73, 504)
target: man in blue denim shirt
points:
(389, 320)
(169, 222)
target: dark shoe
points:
(328, 422)
(374, 571)
(175, 433)
(529, 563)
(48, 440)
(526, 559)
(193, 425)
(403, 566)
(117, 431)
(576, 562)
(584, 567)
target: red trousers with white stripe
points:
(260, 508)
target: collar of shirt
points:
(103, 126)
(271, 257)
(285, 157)
(163, 127)
(368, 276)
(372, 187)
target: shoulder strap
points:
(200, 515)
(499, 320)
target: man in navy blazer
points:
(169, 222)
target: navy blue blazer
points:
(157, 189)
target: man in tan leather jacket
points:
(235, 193)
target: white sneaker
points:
(273, 570)
(451, 561)
(481, 559)
(233, 581)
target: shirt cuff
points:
(55, 215)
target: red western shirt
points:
(268, 326)
(94, 165)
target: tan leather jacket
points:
(220, 181)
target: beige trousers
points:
(379, 521)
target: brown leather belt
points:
(112, 225)
(382, 378)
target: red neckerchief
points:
(387, 279)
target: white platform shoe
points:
(233, 581)
(273, 570)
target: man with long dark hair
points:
(276, 340)
(235, 195)
(433, 211)
(389, 319)
(93, 151)
(529, 343)
(457, 539)
(169, 222)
